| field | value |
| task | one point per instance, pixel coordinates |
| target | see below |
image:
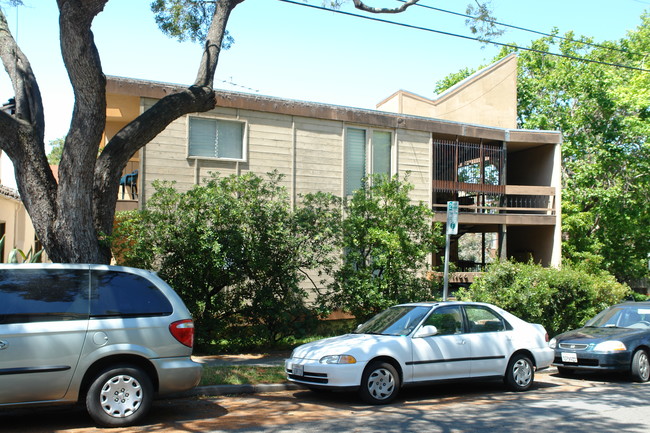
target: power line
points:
(525, 29)
(471, 38)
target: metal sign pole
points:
(445, 289)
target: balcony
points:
(483, 199)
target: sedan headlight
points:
(338, 359)
(553, 343)
(609, 346)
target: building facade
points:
(507, 181)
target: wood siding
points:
(414, 159)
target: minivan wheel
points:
(379, 383)
(520, 373)
(119, 396)
(640, 368)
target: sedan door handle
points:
(461, 341)
(3, 344)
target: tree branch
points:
(362, 6)
(29, 104)
(213, 42)
(134, 136)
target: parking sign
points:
(452, 217)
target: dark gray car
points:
(617, 339)
(110, 337)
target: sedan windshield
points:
(622, 316)
(394, 321)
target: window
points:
(43, 295)
(121, 294)
(381, 152)
(359, 144)
(216, 138)
(482, 319)
(448, 320)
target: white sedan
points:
(420, 343)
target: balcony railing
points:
(496, 199)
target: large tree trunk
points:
(72, 218)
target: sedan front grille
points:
(320, 378)
(573, 346)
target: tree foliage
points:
(386, 241)
(234, 250)
(54, 157)
(559, 299)
(603, 114)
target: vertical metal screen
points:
(468, 167)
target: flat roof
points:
(255, 102)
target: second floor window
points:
(216, 138)
(366, 152)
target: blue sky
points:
(296, 52)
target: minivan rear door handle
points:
(3, 344)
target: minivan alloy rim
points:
(121, 396)
(522, 372)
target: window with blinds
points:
(358, 143)
(216, 138)
(355, 159)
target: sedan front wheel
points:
(640, 366)
(379, 383)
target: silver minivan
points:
(106, 336)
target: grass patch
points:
(242, 375)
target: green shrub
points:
(233, 249)
(559, 299)
(386, 241)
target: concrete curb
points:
(215, 390)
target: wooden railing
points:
(499, 199)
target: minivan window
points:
(122, 294)
(43, 295)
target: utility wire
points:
(471, 38)
(525, 29)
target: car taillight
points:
(546, 337)
(183, 331)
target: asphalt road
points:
(586, 404)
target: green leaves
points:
(186, 19)
(234, 250)
(559, 299)
(386, 240)
(19, 256)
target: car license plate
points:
(298, 370)
(569, 357)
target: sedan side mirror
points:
(426, 331)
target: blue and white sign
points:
(452, 217)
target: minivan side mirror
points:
(426, 331)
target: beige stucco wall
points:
(19, 232)
(488, 97)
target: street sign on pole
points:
(452, 229)
(452, 217)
